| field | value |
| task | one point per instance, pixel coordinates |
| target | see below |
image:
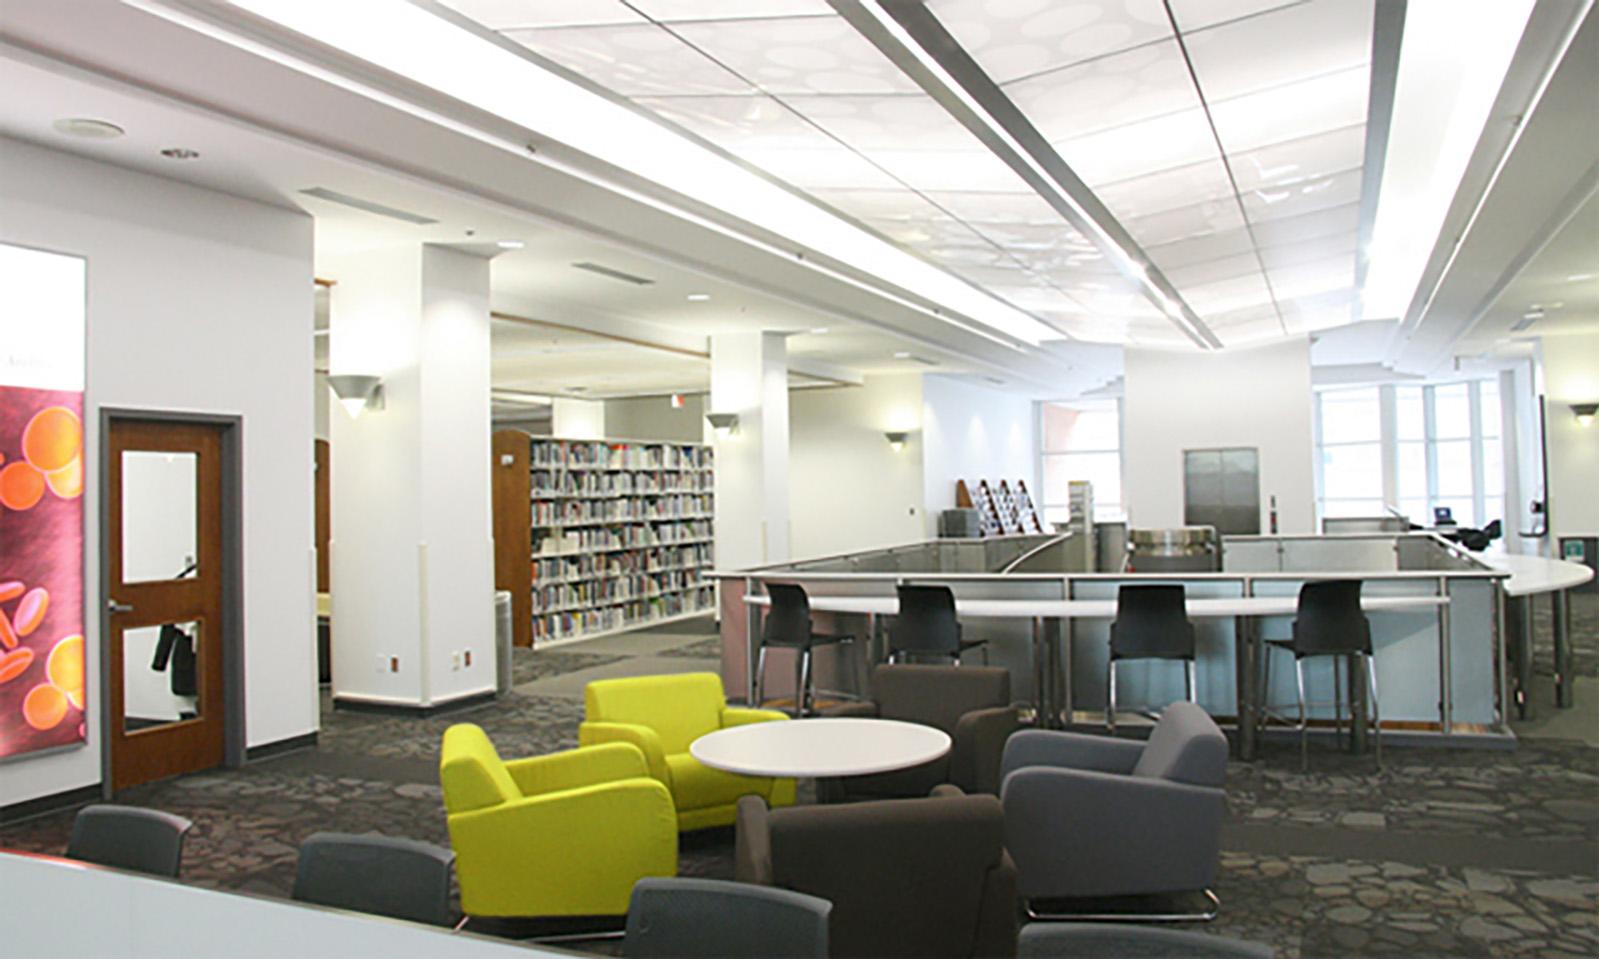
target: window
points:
(1439, 446)
(1351, 452)
(1082, 441)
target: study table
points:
(1529, 577)
(1053, 671)
(820, 747)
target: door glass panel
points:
(160, 675)
(159, 510)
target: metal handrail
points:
(1053, 541)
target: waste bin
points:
(502, 641)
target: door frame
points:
(233, 748)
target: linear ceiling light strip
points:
(898, 24)
(1387, 36)
(424, 44)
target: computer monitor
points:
(1442, 516)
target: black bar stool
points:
(926, 626)
(1151, 623)
(788, 626)
(1328, 622)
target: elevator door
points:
(1221, 488)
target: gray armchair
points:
(1089, 816)
(912, 878)
(970, 703)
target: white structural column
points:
(749, 377)
(412, 556)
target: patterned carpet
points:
(1442, 853)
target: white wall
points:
(1177, 401)
(197, 302)
(970, 433)
(849, 489)
(1571, 375)
(577, 419)
(653, 418)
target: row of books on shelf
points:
(572, 454)
(617, 589)
(588, 539)
(550, 483)
(564, 625)
(597, 565)
(574, 511)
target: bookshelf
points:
(593, 536)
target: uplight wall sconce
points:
(896, 438)
(723, 423)
(1584, 412)
(357, 392)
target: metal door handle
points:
(112, 606)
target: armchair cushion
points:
(679, 708)
(698, 786)
(1185, 746)
(938, 695)
(740, 716)
(1045, 747)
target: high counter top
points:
(1535, 574)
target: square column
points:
(412, 568)
(749, 377)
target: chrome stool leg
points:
(1110, 704)
(760, 678)
(1376, 713)
(1193, 688)
(1338, 703)
(1304, 748)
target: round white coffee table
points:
(820, 748)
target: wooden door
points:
(164, 616)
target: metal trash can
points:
(1181, 549)
(959, 524)
(502, 641)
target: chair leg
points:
(1338, 703)
(803, 697)
(1263, 689)
(1376, 712)
(1110, 702)
(1193, 687)
(760, 678)
(1304, 753)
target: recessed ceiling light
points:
(698, 297)
(1579, 277)
(180, 153)
(87, 128)
(901, 355)
(820, 330)
(510, 244)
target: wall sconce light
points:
(896, 438)
(357, 392)
(1584, 412)
(723, 423)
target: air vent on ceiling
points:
(922, 360)
(613, 274)
(369, 206)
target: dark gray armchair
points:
(1089, 816)
(913, 878)
(970, 703)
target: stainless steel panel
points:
(1221, 488)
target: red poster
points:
(42, 648)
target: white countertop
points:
(809, 748)
(1100, 608)
(1535, 574)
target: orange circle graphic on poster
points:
(44, 707)
(64, 668)
(52, 439)
(66, 482)
(21, 486)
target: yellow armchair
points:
(661, 716)
(560, 835)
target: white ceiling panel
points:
(940, 169)
(996, 207)
(882, 205)
(802, 55)
(1015, 38)
(1209, 271)
(1225, 296)
(1200, 249)
(1197, 14)
(1316, 155)
(669, 10)
(735, 121)
(833, 168)
(902, 122)
(1336, 221)
(512, 14)
(1316, 278)
(633, 60)
(1283, 46)
(1138, 149)
(1309, 251)
(1298, 199)
(1216, 216)
(1293, 110)
(1137, 84)
(1167, 190)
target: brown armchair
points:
(907, 877)
(970, 703)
